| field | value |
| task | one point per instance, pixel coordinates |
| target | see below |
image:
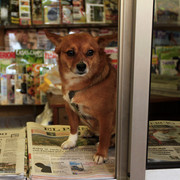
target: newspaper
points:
(47, 160)
(164, 141)
(12, 154)
(165, 85)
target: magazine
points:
(20, 39)
(25, 59)
(164, 141)
(13, 157)
(48, 161)
(7, 62)
(50, 57)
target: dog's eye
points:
(70, 53)
(89, 53)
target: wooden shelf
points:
(60, 26)
(167, 26)
(157, 99)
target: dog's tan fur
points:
(90, 96)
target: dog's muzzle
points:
(81, 68)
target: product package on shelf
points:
(113, 52)
(166, 11)
(20, 39)
(111, 11)
(66, 8)
(25, 12)
(155, 63)
(14, 12)
(10, 88)
(51, 12)
(95, 11)
(67, 14)
(20, 89)
(168, 57)
(79, 15)
(44, 70)
(37, 13)
(4, 11)
(4, 100)
(166, 38)
(7, 62)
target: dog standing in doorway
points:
(88, 87)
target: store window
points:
(164, 104)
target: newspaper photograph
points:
(48, 160)
(164, 141)
(12, 154)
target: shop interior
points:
(30, 89)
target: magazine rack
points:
(51, 99)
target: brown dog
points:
(88, 85)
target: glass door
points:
(164, 103)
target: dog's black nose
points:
(81, 67)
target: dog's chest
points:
(77, 107)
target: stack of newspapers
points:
(45, 159)
(165, 85)
(13, 157)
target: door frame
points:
(134, 43)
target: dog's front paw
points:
(99, 159)
(68, 144)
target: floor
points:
(163, 174)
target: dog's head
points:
(80, 54)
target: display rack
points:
(36, 109)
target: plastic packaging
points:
(45, 118)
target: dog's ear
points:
(103, 41)
(54, 38)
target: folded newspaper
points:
(48, 161)
(164, 141)
(13, 159)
